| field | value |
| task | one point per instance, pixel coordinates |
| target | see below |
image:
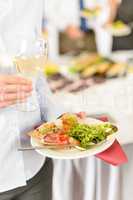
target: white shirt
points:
(101, 19)
(20, 18)
(23, 17)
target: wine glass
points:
(29, 62)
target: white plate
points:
(74, 153)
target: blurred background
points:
(90, 41)
(90, 68)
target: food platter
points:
(84, 71)
(95, 65)
(119, 29)
(74, 153)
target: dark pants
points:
(38, 188)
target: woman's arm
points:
(113, 5)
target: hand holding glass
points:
(29, 63)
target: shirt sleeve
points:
(50, 109)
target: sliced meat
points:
(56, 138)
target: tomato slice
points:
(56, 138)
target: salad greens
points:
(91, 134)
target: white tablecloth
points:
(92, 179)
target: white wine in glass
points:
(29, 64)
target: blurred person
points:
(66, 18)
(85, 24)
(122, 10)
(113, 5)
(66, 28)
(75, 27)
(95, 25)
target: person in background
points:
(77, 31)
(85, 24)
(92, 27)
(60, 22)
(122, 10)
(74, 26)
(82, 34)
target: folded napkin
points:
(114, 155)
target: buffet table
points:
(91, 178)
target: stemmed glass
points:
(29, 62)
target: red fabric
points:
(115, 154)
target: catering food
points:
(95, 65)
(91, 12)
(82, 72)
(118, 24)
(119, 28)
(51, 69)
(73, 129)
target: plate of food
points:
(72, 137)
(119, 29)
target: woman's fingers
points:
(15, 88)
(13, 96)
(10, 103)
(6, 104)
(14, 80)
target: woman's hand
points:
(13, 89)
(74, 32)
(113, 5)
